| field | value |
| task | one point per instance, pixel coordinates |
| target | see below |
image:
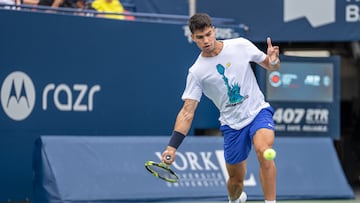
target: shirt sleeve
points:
(256, 55)
(193, 88)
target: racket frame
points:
(163, 166)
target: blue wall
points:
(136, 72)
(320, 21)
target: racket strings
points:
(162, 172)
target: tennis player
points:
(223, 73)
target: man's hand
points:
(169, 152)
(272, 61)
(272, 51)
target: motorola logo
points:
(18, 95)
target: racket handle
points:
(168, 157)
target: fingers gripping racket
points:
(162, 170)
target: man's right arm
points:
(185, 116)
(182, 126)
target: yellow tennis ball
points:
(269, 154)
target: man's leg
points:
(264, 139)
(235, 184)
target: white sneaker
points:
(243, 197)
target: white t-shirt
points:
(228, 80)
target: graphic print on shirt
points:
(233, 90)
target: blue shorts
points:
(237, 143)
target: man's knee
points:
(236, 181)
(263, 140)
(264, 164)
(237, 178)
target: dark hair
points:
(199, 21)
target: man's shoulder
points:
(238, 40)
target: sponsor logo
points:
(18, 95)
(276, 79)
(71, 103)
(203, 169)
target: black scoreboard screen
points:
(301, 82)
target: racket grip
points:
(168, 157)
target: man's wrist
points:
(176, 139)
(274, 63)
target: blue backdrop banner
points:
(101, 169)
(319, 21)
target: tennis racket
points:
(162, 171)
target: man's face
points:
(205, 39)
